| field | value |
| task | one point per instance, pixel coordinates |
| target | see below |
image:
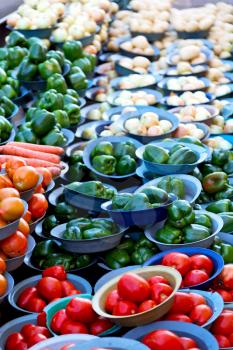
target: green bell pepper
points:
(58, 55)
(72, 233)
(84, 64)
(51, 101)
(195, 232)
(77, 79)
(25, 134)
(192, 140)
(117, 258)
(138, 201)
(37, 53)
(27, 70)
(7, 105)
(225, 194)
(3, 76)
(204, 197)
(49, 223)
(77, 171)
(8, 91)
(144, 242)
(155, 154)
(72, 50)
(43, 123)
(48, 68)
(13, 83)
(73, 93)
(102, 148)
(126, 165)
(215, 182)
(45, 248)
(82, 261)
(76, 156)
(55, 137)
(122, 149)
(67, 99)
(104, 164)
(180, 213)
(155, 194)
(203, 219)
(15, 38)
(227, 253)
(95, 232)
(3, 53)
(209, 169)
(219, 157)
(73, 112)
(169, 235)
(57, 82)
(196, 172)
(127, 244)
(80, 222)
(92, 58)
(4, 65)
(15, 56)
(62, 118)
(58, 259)
(223, 205)
(228, 167)
(65, 212)
(120, 200)
(92, 188)
(183, 155)
(227, 221)
(141, 255)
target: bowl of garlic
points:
(191, 114)
(145, 97)
(181, 84)
(187, 98)
(139, 45)
(192, 54)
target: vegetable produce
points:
(92, 188)
(172, 184)
(222, 330)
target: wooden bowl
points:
(145, 317)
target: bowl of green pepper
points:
(112, 157)
(84, 235)
(171, 157)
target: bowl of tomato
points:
(198, 266)
(131, 299)
(15, 262)
(222, 328)
(26, 195)
(223, 284)
(166, 335)
(112, 343)
(34, 293)
(74, 315)
(8, 281)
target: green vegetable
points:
(173, 185)
(8, 91)
(64, 212)
(95, 232)
(210, 168)
(62, 118)
(77, 79)
(51, 101)
(43, 123)
(15, 56)
(120, 200)
(155, 154)
(15, 38)
(27, 70)
(195, 232)
(138, 201)
(155, 194)
(227, 221)
(169, 235)
(126, 165)
(73, 112)
(84, 64)
(3, 53)
(122, 149)
(54, 138)
(58, 55)
(92, 188)
(49, 223)
(141, 255)
(219, 157)
(117, 258)
(3, 76)
(77, 171)
(7, 105)
(102, 148)
(82, 261)
(227, 193)
(72, 233)
(180, 213)
(72, 50)
(45, 248)
(25, 134)
(223, 205)
(183, 155)
(203, 219)
(228, 167)
(37, 53)
(57, 82)
(48, 68)
(215, 182)
(104, 164)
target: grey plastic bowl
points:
(81, 200)
(163, 115)
(212, 110)
(199, 34)
(163, 86)
(91, 94)
(141, 218)
(112, 343)
(49, 188)
(112, 97)
(17, 117)
(168, 169)
(54, 196)
(42, 33)
(217, 224)
(69, 136)
(123, 71)
(80, 283)
(192, 186)
(90, 126)
(35, 223)
(7, 230)
(83, 246)
(85, 111)
(150, 36)
(27, 195)
(113, 139)
(24, 97)
(15, 263)
(203, 338)
(15, 326)
(10, 286)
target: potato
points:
(141, 62)
(189, 52)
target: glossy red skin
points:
(222, 340)
(178, 318)
(201, 314)
(162, 340)
(146, 305)
(197, 299)
(13, 340)
(111, 300)
(100, 326)
(157, 279)
(41, 319)
(195, 277)
(227, 296)
(71, 327)
(49, 288)
(226, 276)
(183, 303)
(35, 339)
(188, 343)
(36, 305)
(81, 310)
(202, 262)
(66, 287)
(124, 308)
(223, 325)
(57, 272)
(179, 261)
(27, 329)
(25, 297)
(57, 320)
(21, 346)
(133, 288)
(230, 338)
(74, 292)
(160, 292)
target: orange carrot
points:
(39, 148)
(29, 161)
(55, 171)
(26, 153)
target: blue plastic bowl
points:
(227, 137)
(163, 86)
(140, 218)
(42, 33)
(204, 339)
(113, 343)
(112, 97)
(166, 169)
(24, 97)
(123, 71)
(215, 257)
(211, 109)
(113, 139)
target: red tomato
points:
(224, 324)
(195, 277)
(201, 314)
(41, 330)
(79, 309)
(58, 319)
(49, 288)
(27, 329)
(162, 340)
(124, 308)
(74, 292)
(178, 317)
(35, 339)
(227, 296)
(179, 261)
(197, 299)
(71, 327)
(13, 340)
(133, 288)
(230, 337)
(100, 326)
(41, 319)
(157, 279)
(160, 292)
(222, 340)
(202, 262)
(57, 272)
(37, 205)
(111, 300)
(146, 305)
(36, 304)
(227, 276)
(66, 287)
(21, 346)
(25, 296)
(188, 343)
(183, 303)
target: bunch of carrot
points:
(34, 155)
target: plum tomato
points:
(100, 325)
(160, 292)
(57, 272)
(111, 300)
(226, 295)
(146, 305)
(13, 340)
(57, 320)
(49, 288)
(157, 279)
(195, 277)
(133, 288)
(41, 319)
(178, 317)
(226, 276)
(79, 309)
(162, 340)
(183, 303)
(179, 261)
(24, 297)
(202, 262)
(124, 308)
(35, 339)
(197, 299)
(66, 287)
(72, 327)
(224, 324)
(36, 304)
(200, 314)
(222, 340)
(188, 343)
